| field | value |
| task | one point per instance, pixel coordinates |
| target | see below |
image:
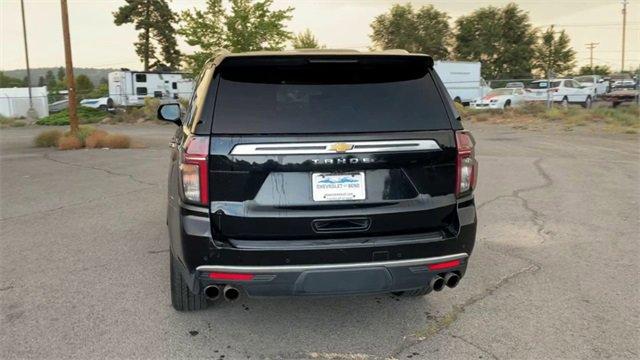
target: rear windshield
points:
(305, 97)
(543, 84)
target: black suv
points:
(318, 173)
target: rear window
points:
(303, 96)
(543, 84)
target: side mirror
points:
(170, 112)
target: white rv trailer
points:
(130, 88)
(462, 80)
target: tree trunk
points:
(146, 37)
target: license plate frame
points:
(350, 186)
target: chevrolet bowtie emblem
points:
(340, 147)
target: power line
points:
(591, 46)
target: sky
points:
(97, 42)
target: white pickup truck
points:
(595, 82)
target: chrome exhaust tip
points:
(212, 292)
(437, 283)
(452, 280)
(230, 293)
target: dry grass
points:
(87, 137)
(624, 119)
(47, 138)
(69, 142)
(95, 139)
(116, 141)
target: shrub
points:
(116, 141)
(95, 140)
(83, 132)
(47, 138)
(150, 108)
(69, 142)
(86, 116)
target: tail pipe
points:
(212, 292)
(230, 293)
(437, 283)
(451, 279)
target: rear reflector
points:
(443, 265)
(231, 276)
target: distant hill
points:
(94, 74)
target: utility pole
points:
(624, 29)
(71, 82)
(591, 46)
(31, 113)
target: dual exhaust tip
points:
(450, 279)
(230, 293)
(213, 292)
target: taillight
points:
(193, 169)
(466, 164)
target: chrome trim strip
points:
(300, 268)
(325, 147)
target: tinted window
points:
(141, 77)
(141, 91)
(328, 98)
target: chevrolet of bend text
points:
(315, 174)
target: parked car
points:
(596, 83)
(626, 84)
(563, 91)
(103, 103)
(297, 184)
(500, 99)
(58, 106)
(515, 85)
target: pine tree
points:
(156, 46)
(61, 74)
(51, 80)
(306, 40)
(553, 53)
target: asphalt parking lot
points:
(554, 275)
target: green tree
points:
(41, 81)
(306, 40)
(502, 39)
(553, 53)
(50, 79)
(83, 84)
(596, 70)
(61, 74)
(155, 21)
(424, 31)
(8, 81)
(248, 26)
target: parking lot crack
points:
(107, 171)
(445, 321)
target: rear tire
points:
(587, 103)
(182, 298)
(414, 293)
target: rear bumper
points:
(319, 267)
(335, 279)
